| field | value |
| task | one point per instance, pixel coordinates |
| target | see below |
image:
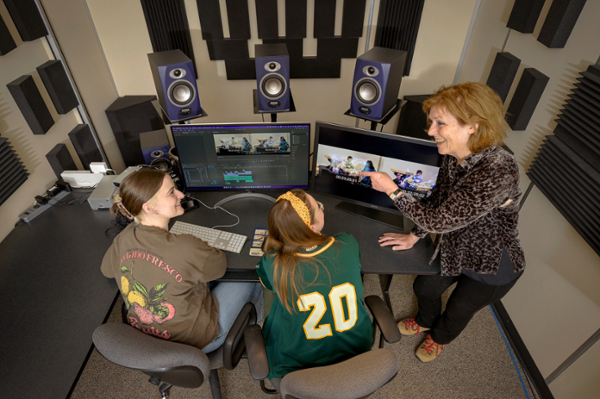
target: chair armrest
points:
(234, 345)
(384, 318)
(257, 352)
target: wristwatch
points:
(395, 194)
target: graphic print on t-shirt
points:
(148, 305)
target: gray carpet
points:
(476, 365)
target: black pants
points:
(468, 298)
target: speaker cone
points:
(273, 86)
(181, 93)
(367, 92)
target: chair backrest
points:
(357, 377)
(171, 362)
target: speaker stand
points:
(386, 118)
(274, 113)
(167, 121)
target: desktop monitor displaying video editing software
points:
(341, 152)
(222, 156)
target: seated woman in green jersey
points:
(318, 316)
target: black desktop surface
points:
(54, 295)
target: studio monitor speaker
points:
(272, 77)
(377, 78)
(175, 81)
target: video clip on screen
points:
(243, 156)
(341, 152)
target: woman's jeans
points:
(231, 298)
(468, 298)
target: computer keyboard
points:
(224, 240)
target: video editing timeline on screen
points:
(243, 155)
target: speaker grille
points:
(273, 86)
(367, 91)
(181, 93)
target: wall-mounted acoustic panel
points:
(503, 73)
(577, 125)
(7, 43)
(398, 25)
(85, 145)
(60, 159)
(129, 116)
(330, 48)
(32, 105)
(59, 87)
(413, 121)
(579, 203)
(27, 19)
(168, 26)
(12, 171)
(526, 97)
(524, 15)
(559, 22)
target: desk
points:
(53, 294)
(375, 259)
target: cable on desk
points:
(223, 209)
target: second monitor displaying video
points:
(344, 165)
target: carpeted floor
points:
(476, 365)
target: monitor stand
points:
(389, 218)
(244, 195)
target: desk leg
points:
(386, 280)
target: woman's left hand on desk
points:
(399, 241)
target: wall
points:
(556, 305)
(123, 34)
(32, 149)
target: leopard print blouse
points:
(470, 211)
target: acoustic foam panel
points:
(559, 22)
(526, 97)
(60, 159)
(578, 205)
(412, 121)
(168, 27)
(330, 49)
(59, 87)
(12, 171)
(129, 116)
(524, 15)
(503, 73)
(27, 19)
(398, 25)
(7, 43)
(32, 105)
(85, 145)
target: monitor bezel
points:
(372, 133)
(250, 124)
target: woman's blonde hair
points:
(135, 190)
(287, 234)
(473, 104)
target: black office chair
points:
(357, 377)
(170, 362)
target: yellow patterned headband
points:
(298, 205)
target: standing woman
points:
(473, 209)
(162, 276)
(318, 316)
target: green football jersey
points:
(329, 322)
